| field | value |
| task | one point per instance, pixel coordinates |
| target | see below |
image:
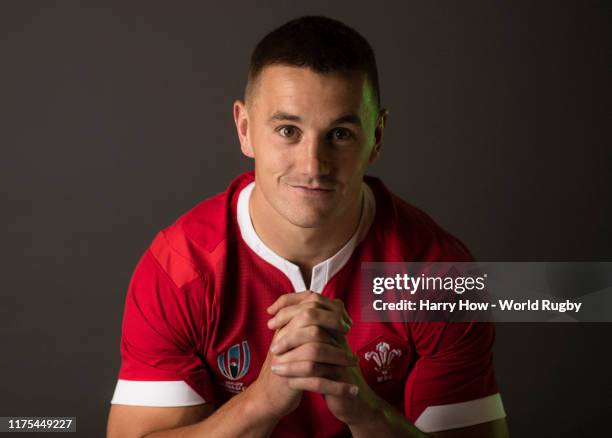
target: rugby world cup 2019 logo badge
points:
(234, 364)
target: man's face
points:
(312, 136)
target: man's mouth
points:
(312, 190)
(324, 189)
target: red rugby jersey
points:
(194, 327)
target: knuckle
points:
(318, 385)
(315, 297)
(314, 332)
(335, 388)
(345, 389)
(310, 314)
(313, 351)
(311, 367)
(301, 319)
(289, 341)
(322, 299)
(319, 349)
(308, 295)
(325, 352)
(280, 314)
(311, 305)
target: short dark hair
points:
(323, 44)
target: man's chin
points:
(307, 219)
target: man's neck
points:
(305, 247)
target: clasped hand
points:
(309, 350)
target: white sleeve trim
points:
(455, 415)
(155, 393)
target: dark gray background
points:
(116, 119)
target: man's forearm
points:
(241, 416)
(385, 421)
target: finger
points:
(292, 299)
(323, 386)
(307, 368)
(306, 314)
(288, 299)
(319, 352)
(338, 305)
(286, 314)
(295, 338)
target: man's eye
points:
(287, 131)
(341, 134)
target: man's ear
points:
(241, 119)
(381, 123)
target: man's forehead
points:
(295, 90)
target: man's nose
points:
(315, 157)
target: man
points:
(242, 318)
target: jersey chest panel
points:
(240, 339)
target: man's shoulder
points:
(415, 233)
(193, 244)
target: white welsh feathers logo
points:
(383, 356)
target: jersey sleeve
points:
(161, 339)
(452, 383)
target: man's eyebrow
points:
(352, 119)
(281, 116)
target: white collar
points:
(322, 272)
